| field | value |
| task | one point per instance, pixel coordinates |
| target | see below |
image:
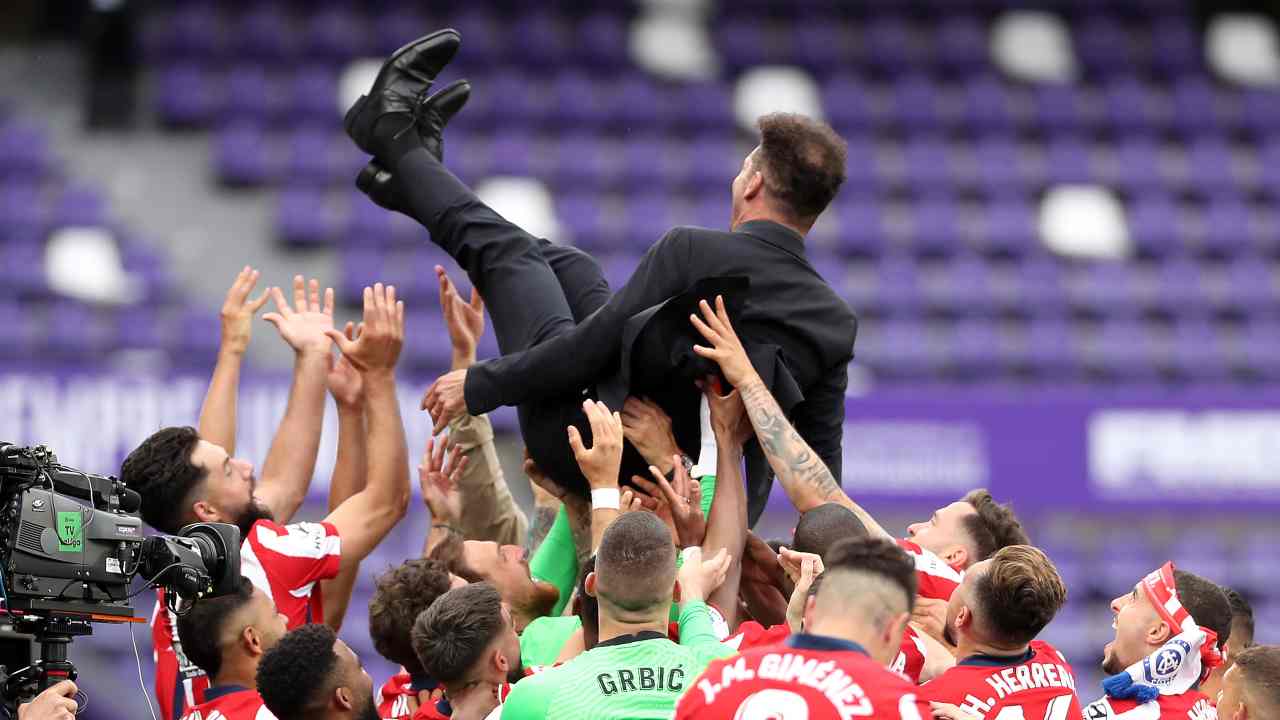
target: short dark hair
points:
(588, 606)
(451, 635)
(1019, 594)
(399, 596)
(803, 161)
(451, 552)
(201, 627)
(636, 562)
(1206, 602)
(1260, 666)
(875, 556)
(822, 527)
(994, 526)
(161, 471)
(297, 674)
(1241, 613)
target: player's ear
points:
(956, 556)
(964, 618)
(892, 634)
(252, 640)
(590, 584)
(810, 603)
(343, 698)
(499, 660)
(755, 183)
(1159, 633)
(205, 512)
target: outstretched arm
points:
(600, 463)
(365, 518)
(348, 471)
(727, 521)
(542, 371)
(218, 414)
(291, 461)
(806, 479)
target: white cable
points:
(141, 683)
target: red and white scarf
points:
(1182, 662)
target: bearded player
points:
(1170, 631)
(993, 619)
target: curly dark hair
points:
(1019, 594)
(993, 527)
(803, 161)
(1241, 615)
(296, 675)
(200, 629)
(452, 634)
(822, 527)
(876, 556)
(399, 596)
(161, 471)
(1207, 603)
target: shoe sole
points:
(349, 119)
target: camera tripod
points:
(54, 634)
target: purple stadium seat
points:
(917, 104)
(194, 31)
(930, 164)
(1175, 47)
(1103, 44)
(360, 266)
(846, 99)
(426, 340)
(959, 285)
(1209, 165)
(1134, 164)
(960, 43)
(584, 161)
(487, 43)
(1227, 226)
(1001, 166)
(264, 32)
(24, 212)
(974, 346)
(820, 43)
(1154, 225)
(1252, 283)
(600, 41)
(861, 224)
(640, 105)
(1068, 159)
(243, 156)
(935, 221)
(1259, 110)
(1058, 108)
(1197, 106)
(310, 158)
(1132, 105)
(1103, 286)
(987, 104)
(305, 218)
(618, 267)
(24, 331)
(705, 106)
(187, 96)
(649, 215)
(890, 44)
(76, 329)
(512, 152)
(252, 96)
(582, 214)
(1041, 284)
(647, 163)
(80, 206)
(744, 42)
(1181, 285)
(337, 34)
(714, 161)
(24, 151)
(400, 23)
(315, 93)
(1008, 225)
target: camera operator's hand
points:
(55, 703)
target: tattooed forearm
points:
(544, 516)
(806, 478)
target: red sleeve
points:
(911, 656)
(292, 557)
(179, 685)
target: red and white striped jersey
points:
(230, 702)
(1190, 705)
(936, 579)
(1038, 685)
(285, 562)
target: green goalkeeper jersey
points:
(634, 676)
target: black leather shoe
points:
(431, 116)
(400, 84)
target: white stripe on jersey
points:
(251, 567)
(301, 540)
(930, 564)
(264, 714)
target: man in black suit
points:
(560, 332)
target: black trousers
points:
(534, 290)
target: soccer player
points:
(956, 536)
(399, 596)
(226, 638)
(185, 478)
(312, 675)
(1169, 634)
(1240, 640)
(634, 671)
(1251, 688)
(836, 668)
(467, 641)
(993, 619)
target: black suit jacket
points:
(798, 331)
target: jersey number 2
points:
(1057, 710)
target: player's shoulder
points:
(1044, 652)
(1192, 704)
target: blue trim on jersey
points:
(179, 698)
(217, 691)
(806, 641)
(981, 660)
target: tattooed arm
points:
(806, 479)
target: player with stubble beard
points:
(1170, 630)
(993, 619)
(186, 476)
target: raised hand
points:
(683, 500)
(729, 419)
(343, 380)
(648, 428)
(446, 399)
(793, 561)
(698, 577)
(465, 320)
(601, 462)
(726, 349)
(810, 568)
(438, 474)
(238, 311)
(306, 325)
(377, 348)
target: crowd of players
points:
(631, 596)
